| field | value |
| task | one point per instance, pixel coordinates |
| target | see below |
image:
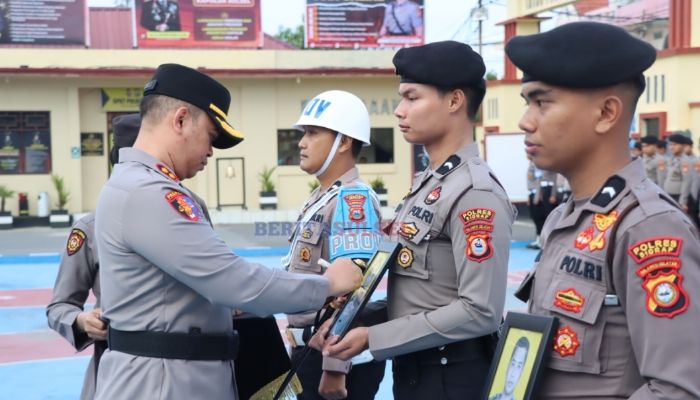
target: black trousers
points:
(458, 371)
(535, 213)
(362, 382)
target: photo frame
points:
(518, 361)
(376, 267)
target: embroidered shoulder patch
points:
(566, 341)
(75, 241)
(478, 227)
(356, 206)
(184, 205)
(654, 247)
(663, 284)
(167, 172)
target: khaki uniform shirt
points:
(655, 169)
(640, 341)
(678, 178)
(313, 244)
(164, 269)
(695, 180)
(450, 278)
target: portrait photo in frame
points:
(518, 361)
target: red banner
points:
(198, 23)
(42, 22)
(364, 23)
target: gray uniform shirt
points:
(450, 278)
(655, 168)
(647, 346)
(678, 180)
(164, 269)
(406, 21)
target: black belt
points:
(183, 346)
(470, 349)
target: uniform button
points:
(443, 361)
(441, 348)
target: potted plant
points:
(313, 185)
(59, 218)
(379, 188)
(5, 216)
(268, 196)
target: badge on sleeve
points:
(184, 205)
(663, 284)
(356, 206)
(405, 257)
(478, 227)
(479, 247)
(566, 341)
(653, 247)
(75, 241)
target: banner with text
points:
(42, 22)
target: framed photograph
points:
(377, 266)
(517, 363)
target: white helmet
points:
(338, 111)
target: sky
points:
(444, 20)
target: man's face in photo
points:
(515, 369)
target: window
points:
(651, 127)
(380, 152)
(25, 143)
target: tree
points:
(293, 36)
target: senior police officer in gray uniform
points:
(619, 265)
(168, 281)
(341, 218)
(654, 164)
(446, 292)
(78, 273)
(677, 183)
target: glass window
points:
(25, 143)
(380, 152)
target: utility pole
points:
(480, 22)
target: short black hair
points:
(155, 106)
(661, 144)
(474, 98)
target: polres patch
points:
(356, 206)
(663, 283)
(653, 247)
(479, 246)
(75, 241)
(184, 205)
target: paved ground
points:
(36, 363)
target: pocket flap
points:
(310, 232)
(575, 299)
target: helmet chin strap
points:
(330, 156)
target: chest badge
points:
(408, 230)
(566, 341)
(433, 196)
(405, 257)
(305, 254)
(569, 300)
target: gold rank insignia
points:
(305, 254)
(405, 257)
(75, 241)
(167, 172)
(306, 234)
(566, 341)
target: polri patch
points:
(479, 246)
(433, 196)
(184, 205)
(405, 257)
(654, 247)
(167, 172)
(584, 238)
(75, 241)
(356, 206)
(569, 300)
(663, 284)
(566, 341)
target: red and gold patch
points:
(408, 230)
(583, 238)
(184, 205)
(305, 254)
(603, 222)
(477, 214)
(685, 167)
(356, 205)
(479, 247)
(405, 257)
(661, 165)
(569, 300)
(75, 241)
(566, 341)
(306, 234)
(433, 196)
(654, 247)
(696, 166)
(663, 283)
(168, 172)
(598, 243)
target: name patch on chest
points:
(577, 266)
(423, 215)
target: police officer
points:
(654, 165)
(341, 218)
(447, 289)
(168, 281)
(401, 18)
(78, 273)
(661, 149)
(677, 183)
(619, 265)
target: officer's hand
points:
(318, 340)
(553, 199)
(332, 386)
(354, 343)
(90, 323)
(344, 276)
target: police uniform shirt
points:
(655, 168)
(313, 244)
(620, 272)
(449, 281)
(402, 19)
(164, 269)
(678, 178)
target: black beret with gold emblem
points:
(582, 55)
(198, 89)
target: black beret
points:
(582, 55)
(446, 64)
(198, 89)
(677, 138)
(649, 139)
(689, 140)
(661, 144)
(125, 129)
